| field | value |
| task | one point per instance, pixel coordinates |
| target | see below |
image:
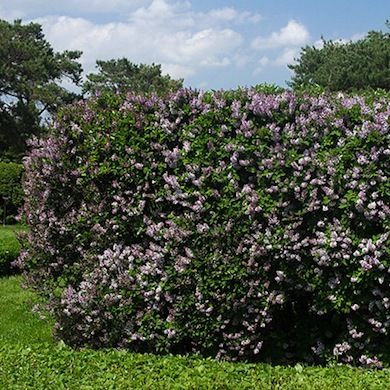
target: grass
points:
(29, 359)
(18, 323)
(12, 228)
(9, 246)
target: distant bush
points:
(9, 251)
(236, 224)
(11, 194)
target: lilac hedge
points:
(239, 224)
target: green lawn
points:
(9, 247)
(12, 228)
(7, 232)
(18, 323)
(29, 359)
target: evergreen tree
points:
(348, 66)
(31, 73)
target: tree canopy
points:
(121, 75)
(31, 73)
(339, 66)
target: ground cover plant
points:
(29, 359)
(238, 225)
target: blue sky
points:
(211, 44)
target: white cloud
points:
(357, 37)
(319, 43)
(177, 71)
(226, 13)
(264, 61)
(293, 34)
(287, 40)
(159, 12)
(163, 33)
(343, 41)
(188, 43)
(287, 57)
(230, 14)
(261, 65)
(211, 62)
(180, 14)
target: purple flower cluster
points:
(237, 224)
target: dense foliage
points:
(123, 76)
(11, 193)
(30, 77)
(234, 224)
(339, 66)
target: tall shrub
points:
(235, 224)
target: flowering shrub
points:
(234, 224)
